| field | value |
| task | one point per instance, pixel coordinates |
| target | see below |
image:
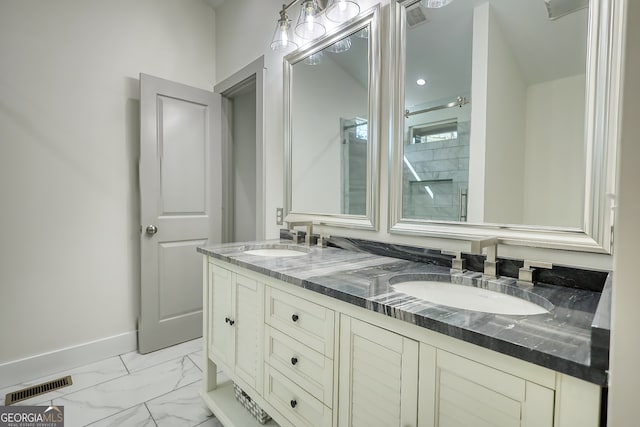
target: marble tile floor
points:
(155, 389)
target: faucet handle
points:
(525, 274)
(457, 263)
(322, 240)
(537, 264)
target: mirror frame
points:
(369, 18)
(603, 76)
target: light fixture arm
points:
(321, 4)
(286, 7)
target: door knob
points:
(152, 229)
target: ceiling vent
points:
(559, 8)
(417, 15)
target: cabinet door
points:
(468, 393)
(378, 376)
(248, 315)
(222, 335)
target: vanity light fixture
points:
(340, 46)
(282, 37)
(309, 24)
(435, 4)
(342, 10)
(314, 58)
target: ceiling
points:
(439, 50)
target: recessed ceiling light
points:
(421, 82)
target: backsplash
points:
(559, 275)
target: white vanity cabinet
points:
(378, 376)
(235, 324)
(299, 351)
(457, 391)
(311, 360)
(387, 379)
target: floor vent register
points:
(36, 390)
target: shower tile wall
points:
(443, 167)
(354, 172)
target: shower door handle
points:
(152, 229)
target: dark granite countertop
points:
(560, 340)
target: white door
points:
(179, 186)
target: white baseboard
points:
(40, 365)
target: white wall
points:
(625, 375)
(554, 153)
(530, 137)
(505, 131)
(498, 116)
(69, 142)
(244, 166)
(479, 84)
(317, 175)
(235, 48)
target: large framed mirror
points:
(331, 100)
(501, 121)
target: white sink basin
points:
(468, 297)
(275, 251)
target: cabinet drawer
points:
(309, 369)
(298, 406)
(307, 322)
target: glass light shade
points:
(340, 46)
(282, 36)
(342, 10)
(308, 25)
(314, 59)
(435, 4)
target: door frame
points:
(255, 71)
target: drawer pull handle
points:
(294, 317)
(294, 360)
(293, 403)
(229, 321)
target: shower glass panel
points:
(354, 165)
(436, 170)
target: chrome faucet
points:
(491, 263)
(457, 263)
(525, 274)
(309, 231)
